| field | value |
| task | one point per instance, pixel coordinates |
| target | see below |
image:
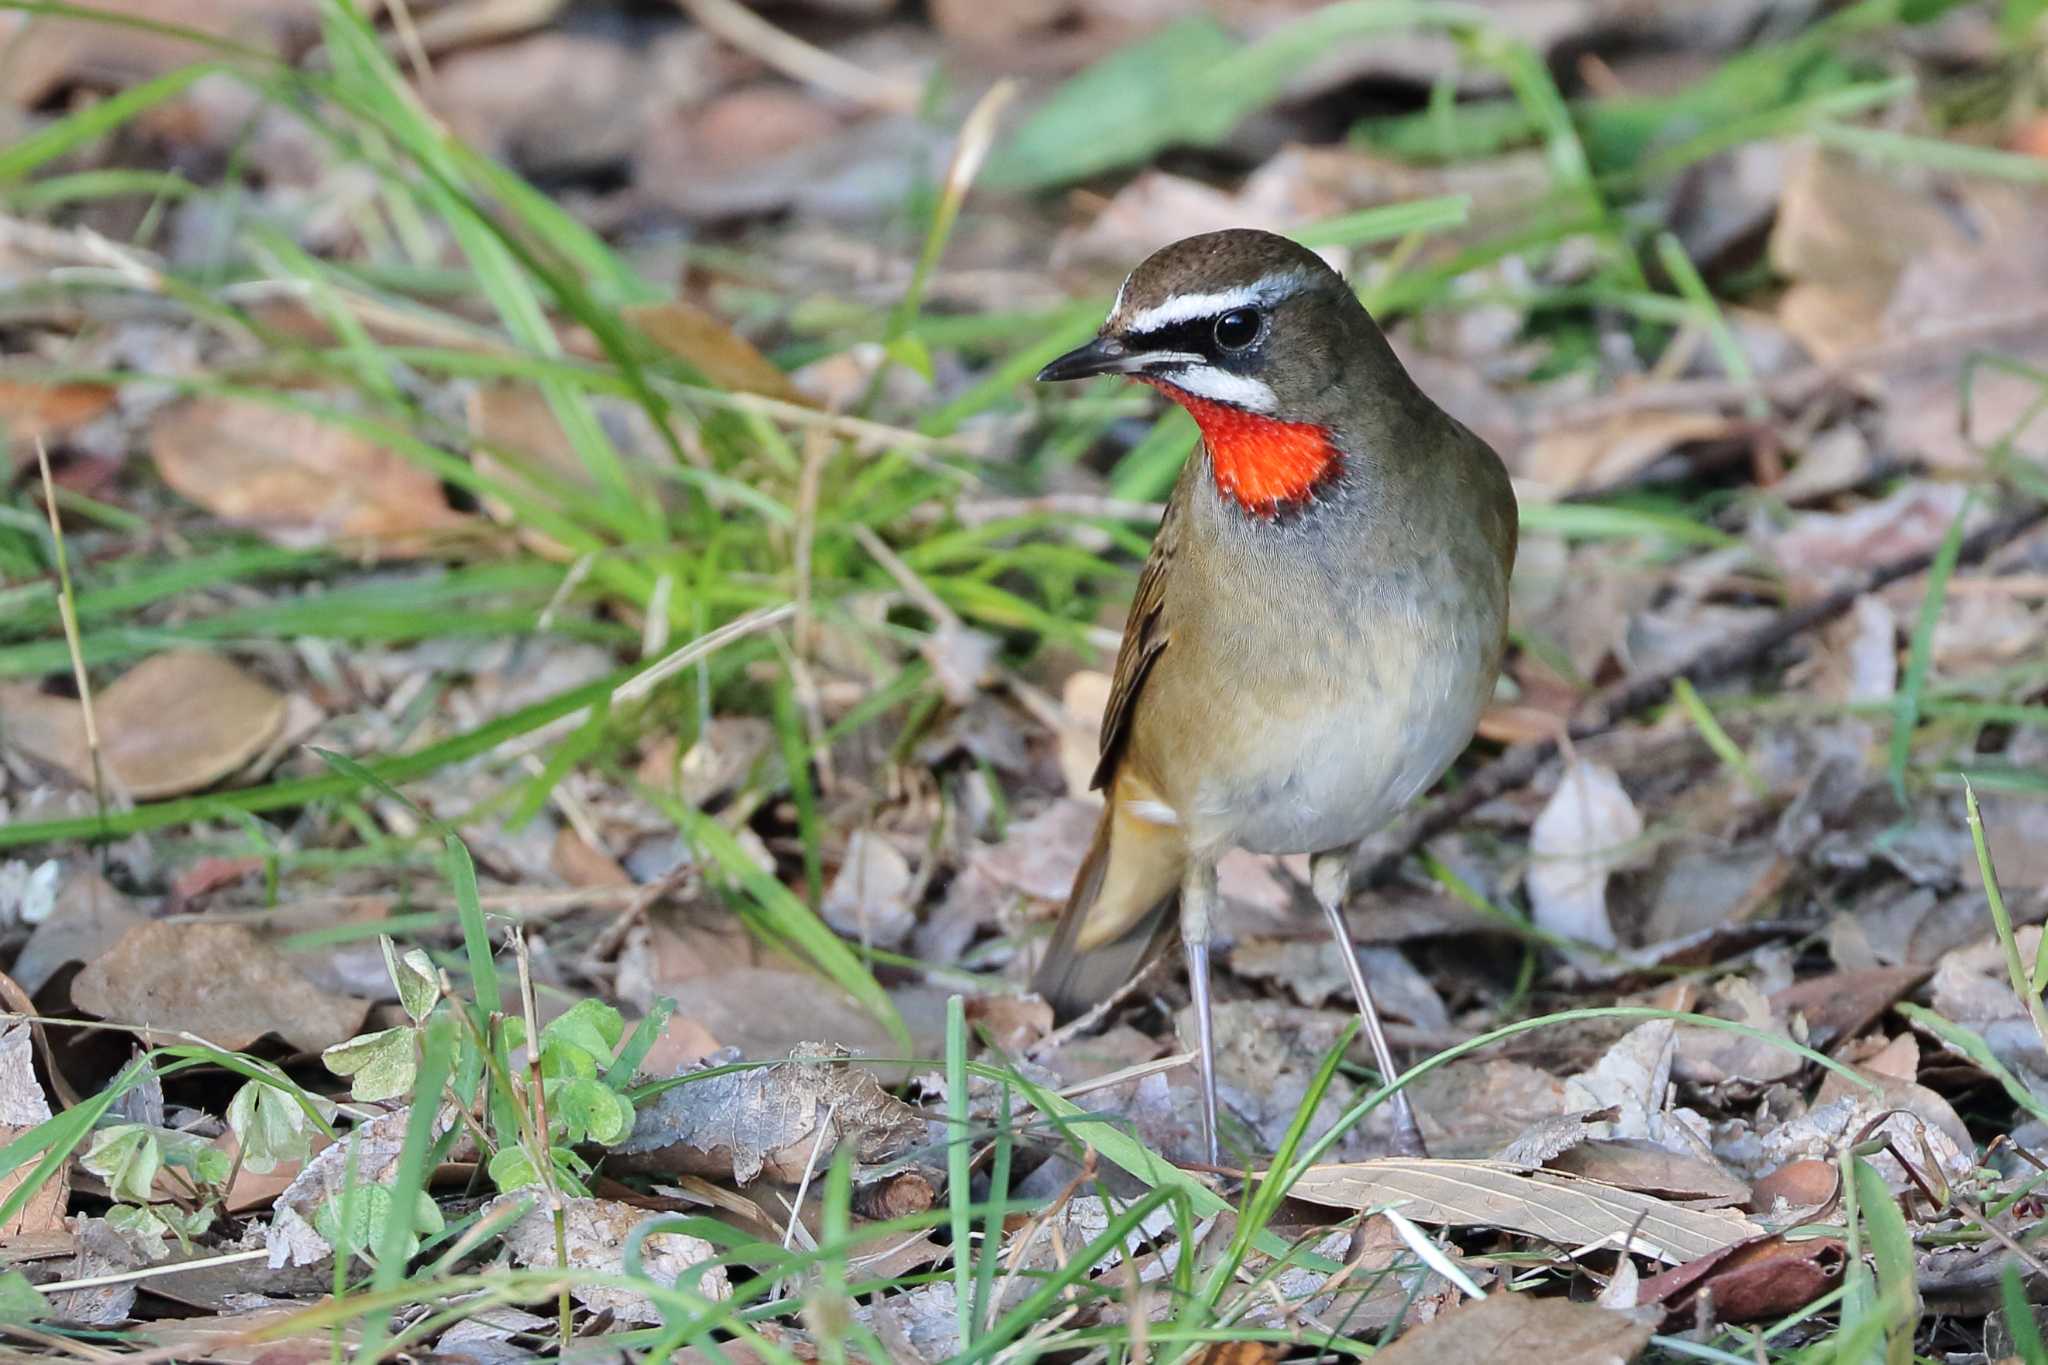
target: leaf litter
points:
(894, 789)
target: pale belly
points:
(1301, 760)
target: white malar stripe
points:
(1206, 381)
(1186, 307)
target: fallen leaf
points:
(1604, 454)
(1712, 1056)
(1841, 1005)
(1565, 1209)
(46, 52)
(595, 1233)
(1633, 1077)
(31, 412)
(1635, 1164)
(1753, 1282)
(369, 1155)
(1039, 856)
(89, 917)
(22, 1106)
(1527, 1330)
(724, 357)
(869, 899)
(1795, 1188)
(1583, 835)
(175, 723)
(1015, 1022)
(298, 479)
(218, 981)
(772, 1120)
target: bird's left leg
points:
(1330, 876)
(1197, 917)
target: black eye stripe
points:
(1194, 334)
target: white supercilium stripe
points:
(1186, 307)
(1207, 381)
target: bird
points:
(1316, 630)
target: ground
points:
(551, 659)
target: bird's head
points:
(1263, 343)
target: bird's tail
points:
(1118, 912)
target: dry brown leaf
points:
(218, 981)
(1567, 1210)
(724, 357)
(32, 412)
(1635, 1164)
(174, 723)
(1604, 454)
(768, 1119)
(299, 480)
(1756, 1281)
(45, 54)
(22, 1106)
(1526, 1330)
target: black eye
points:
(1237, 329)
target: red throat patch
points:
(1262, 463)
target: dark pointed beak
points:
(1104, 355)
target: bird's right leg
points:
(1197, 914)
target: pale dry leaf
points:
(1040, 856)
(1565, 1209)
(298, 479)
(770, 1119)
(175, 723)
(1633, 1077)
(218, 981)
(369, 1155)
(869, 899)
(1711, 1056)
(1528, 1330)
(1581, 838)
(595, 1233)
(1610, 452)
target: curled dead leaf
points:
(1754, 1281)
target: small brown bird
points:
(1316, 629)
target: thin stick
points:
(1609, 707)
(67, 612)
(800, 61)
